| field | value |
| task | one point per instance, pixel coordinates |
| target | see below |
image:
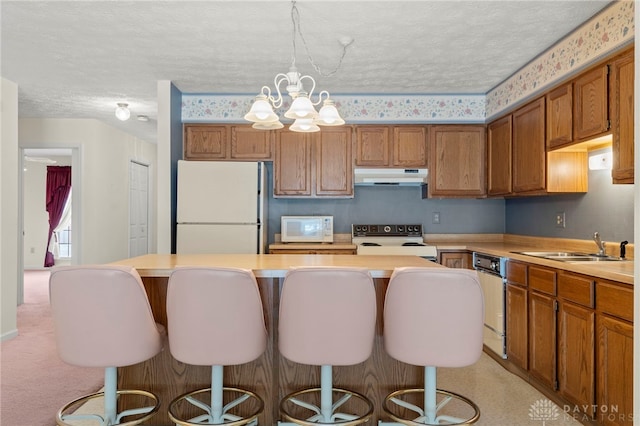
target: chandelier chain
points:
(295, 18)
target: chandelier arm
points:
(324, 92)
(313, 87)
(277, 102)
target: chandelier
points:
(302, 109)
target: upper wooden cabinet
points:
(391, 146)
(457, 167)
(205, 142)
(226, 142)
(333, 162)
(313, 164)
(499, 156)
(292, 164)
(518, 163)
(529, 154)
(590, 109)
(560, 116)
(622, 116)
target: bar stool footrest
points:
(422, 420)
(146, 412)
(337, 418)
(226, 418)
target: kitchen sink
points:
(564, 256)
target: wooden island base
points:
(271, 376)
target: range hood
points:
(390, 176)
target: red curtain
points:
(58, 188)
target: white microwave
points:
(306, 229)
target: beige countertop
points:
(270, 265)
(621, 271)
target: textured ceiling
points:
(77, 59)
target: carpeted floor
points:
(34, 382)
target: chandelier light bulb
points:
(329, 115)
(122, 112)
(301, 107)
(304, 125)
(261, 111)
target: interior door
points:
(138, 209)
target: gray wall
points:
(606, 208)
(392, 205)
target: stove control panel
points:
(386, 230)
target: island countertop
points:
(271, 375)
(270, 265)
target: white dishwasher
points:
(491, 272)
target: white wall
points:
(9, 220)
(101, 185)
(34, 210)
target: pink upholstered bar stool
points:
(215, 318)
(102, 318)
(433, 317)
(327, 318)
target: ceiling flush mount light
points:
(122, 112)
(302, 110)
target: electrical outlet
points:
(560, 222)
(436, 218)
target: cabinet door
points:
(517, 325)
(292, 164)
(457, 161)
(621, 98)
(560, 116)
(576, 339)
(250, 144)
(499, 156)
(409, 146)
(334, 168)
(590, 109)
(614, 371)
(461, 260)
(205, 142)
(529, 155)
(542, 338)
(372, 146)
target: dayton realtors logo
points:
(544, 410)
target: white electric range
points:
(402, 239)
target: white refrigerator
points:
(221, 207)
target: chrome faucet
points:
(599, 243)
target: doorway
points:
(34, 219)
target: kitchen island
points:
(271, 376)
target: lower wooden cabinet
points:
(517, 326)
(572, 335)
(456, 259)
(614, 353)
(542, 338)
(576, 340)
(517, 318)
